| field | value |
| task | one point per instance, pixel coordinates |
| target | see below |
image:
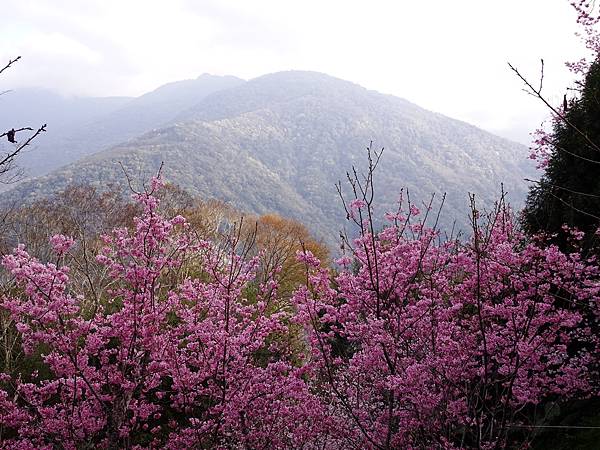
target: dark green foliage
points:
(569, 191)
(569, 194)
(578, 427)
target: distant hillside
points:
(31, 106)
(281, 141)
(64, 115)
(78, 127)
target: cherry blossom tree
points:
(419, 342)
(440, 343)
(175, 356)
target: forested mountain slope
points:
(280, 142)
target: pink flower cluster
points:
(542, 139)
(177, 356)
(588, 19)
(61, 244)
(423, 344)
(443, 345)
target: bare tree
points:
(9, 171)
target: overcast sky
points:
(448, 56)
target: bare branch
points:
(129, 179)
(538, 94)
(16, 130)
(564, 188)
(573, 207)
(10, 63)
(6, 164)
(562, 149)
(541, 75)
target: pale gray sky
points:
(447, 56)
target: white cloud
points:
(446, 56)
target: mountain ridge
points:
(280, 142)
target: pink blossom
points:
(61, 244)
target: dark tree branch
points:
(541, 75)
(10, 63)
(555, 145)
(573, 207)
(6, 163)
(538, 94)
(563, 188)
(17, 130)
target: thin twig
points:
(537, 93)
(10, 63)
(15, 130)
(563, 188)
(573, 207)
(6, 162)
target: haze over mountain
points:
(281, 141)
(79, 126)
(63, 115)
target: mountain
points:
(78, 127)
(280, 142)
(147, 112)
